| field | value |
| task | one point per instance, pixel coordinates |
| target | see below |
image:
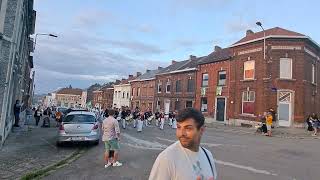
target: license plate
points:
(77, 138)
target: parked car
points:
(78, 126)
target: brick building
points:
(143, 90)
(283, 77)
(69, 97)
(212, 81)
(175, 85)
(122, 92)
(103, 98)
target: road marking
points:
(248, 168)
(146, 144)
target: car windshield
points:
(63, 110)
(79, 118)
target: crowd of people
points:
(140, 119)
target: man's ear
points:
(202, 129)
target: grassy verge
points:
(46, 171)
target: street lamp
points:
(42, 34)
(264, 39)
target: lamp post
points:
(42, 34)
(264, 39)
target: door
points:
(285, 99)
(220, 111)
(166, 106)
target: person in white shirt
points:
(186, 159)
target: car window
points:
(79, 118)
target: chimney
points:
(217, 48)
(173, 61)
(148, 70)
(192, 57)
(159, 67)
(249, 31)
(138, 74)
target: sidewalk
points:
(280, 132)
(30, 148)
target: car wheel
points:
(59, 144)
(96, 142)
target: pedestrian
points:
(315, 123)
(170, 118)
(111, 138)
(273, 114)
(140, 121)
(123, 117)
(269, 123)
(174, 120)
(58, 118)
(37, 115)
(16, 110)
(46, 118)
(161, 120)
(135, 116)
(157, 117)
(186, 159)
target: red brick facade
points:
(142, 94)
(103, 98)
(210, 92)
(267, 83)
(177, 100)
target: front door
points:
(285, 99)
(220, 112)
(166, 106)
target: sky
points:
(103, 40)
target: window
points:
(248, 72)
(313, 74)
(190, 87)
(138, 91)
(286, 68)
(222, 75)
(248, 98)
(158, 105)
(168, 87)
(159, 87)
(177, 105)
(188, 104)
(205, 79)
(127, 95)
(204, 104)
(122, 94)
(178, 86)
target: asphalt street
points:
(239, 155)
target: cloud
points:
(92, 18)
(238, 25)
(80, 59)
(190, 42)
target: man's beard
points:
(187, 143)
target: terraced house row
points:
(277, 69)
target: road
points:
(239, 155)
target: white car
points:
(79, 126)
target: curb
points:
(239, 131)
(38, 174)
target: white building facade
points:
(122, 95)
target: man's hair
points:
(191, 113)
(111, 112)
